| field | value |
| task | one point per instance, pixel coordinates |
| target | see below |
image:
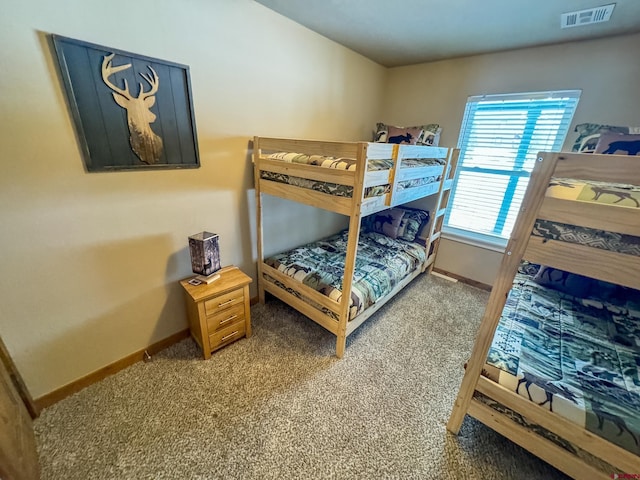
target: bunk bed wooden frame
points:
(355, 207)
(599, 264)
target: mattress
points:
(595, 192)
(421, 162)
(339, 190)
(330, 162)
(417, 182)
(341, 163)
(611, 241)
(624, 196)
(329, 188)
(578, 357)
(381, 263)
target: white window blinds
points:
(499, 140)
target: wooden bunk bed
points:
(361, 179)
(585, 420)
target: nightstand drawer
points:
(227, 335)
(213, 306)
(219, 312)
(225, 317)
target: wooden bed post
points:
(516, 247)
(352, 250)
(256, 175)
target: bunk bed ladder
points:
(435, 231)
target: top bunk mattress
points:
(330, 162)
(595, 192)
(381, 263)
(342, 163)
(618, 195)
(578, 357)
(378, 189)
(421, 162)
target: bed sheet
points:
(624, 196)
(381, 263)
(578, 357)
(595, 192)
(338, 163)
(329, 188)
(421, 162)
(339, 190)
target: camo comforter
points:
(338, 163)
(578, 357)
(381, 263)
(421, 162)
(624, 196)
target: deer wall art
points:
(131, 112)
(144, 142)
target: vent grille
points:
(586, 17)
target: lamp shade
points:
(205, 253)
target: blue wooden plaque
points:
(130, 111)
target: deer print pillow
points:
(589, 135)
(387, 222)
(418, 135)
(407, 135)
(617, 144)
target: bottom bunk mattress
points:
(578, 357)
(381, 263)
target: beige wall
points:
(90, 262)
(607, 71)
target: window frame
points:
(495, 241)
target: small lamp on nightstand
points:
(205, 256)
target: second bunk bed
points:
(556, 363)
(341, 280)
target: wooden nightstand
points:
(219, 312)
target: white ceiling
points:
(405, 32)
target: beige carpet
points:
(280, 405)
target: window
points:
(499, 140)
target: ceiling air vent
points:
(587, 17)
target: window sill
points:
(497, 245)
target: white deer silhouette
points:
(144, 142)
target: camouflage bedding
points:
(347, 164)
(540, 431)
(421, 162)
(612, 241)
(350, 163)
(324, 187)
(381, 263)
(578, 357)
(627, 196)
(343, 190)
(330, 162)
(417, 182)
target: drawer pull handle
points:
(233, 334)
(226, 320)
(220, 305)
